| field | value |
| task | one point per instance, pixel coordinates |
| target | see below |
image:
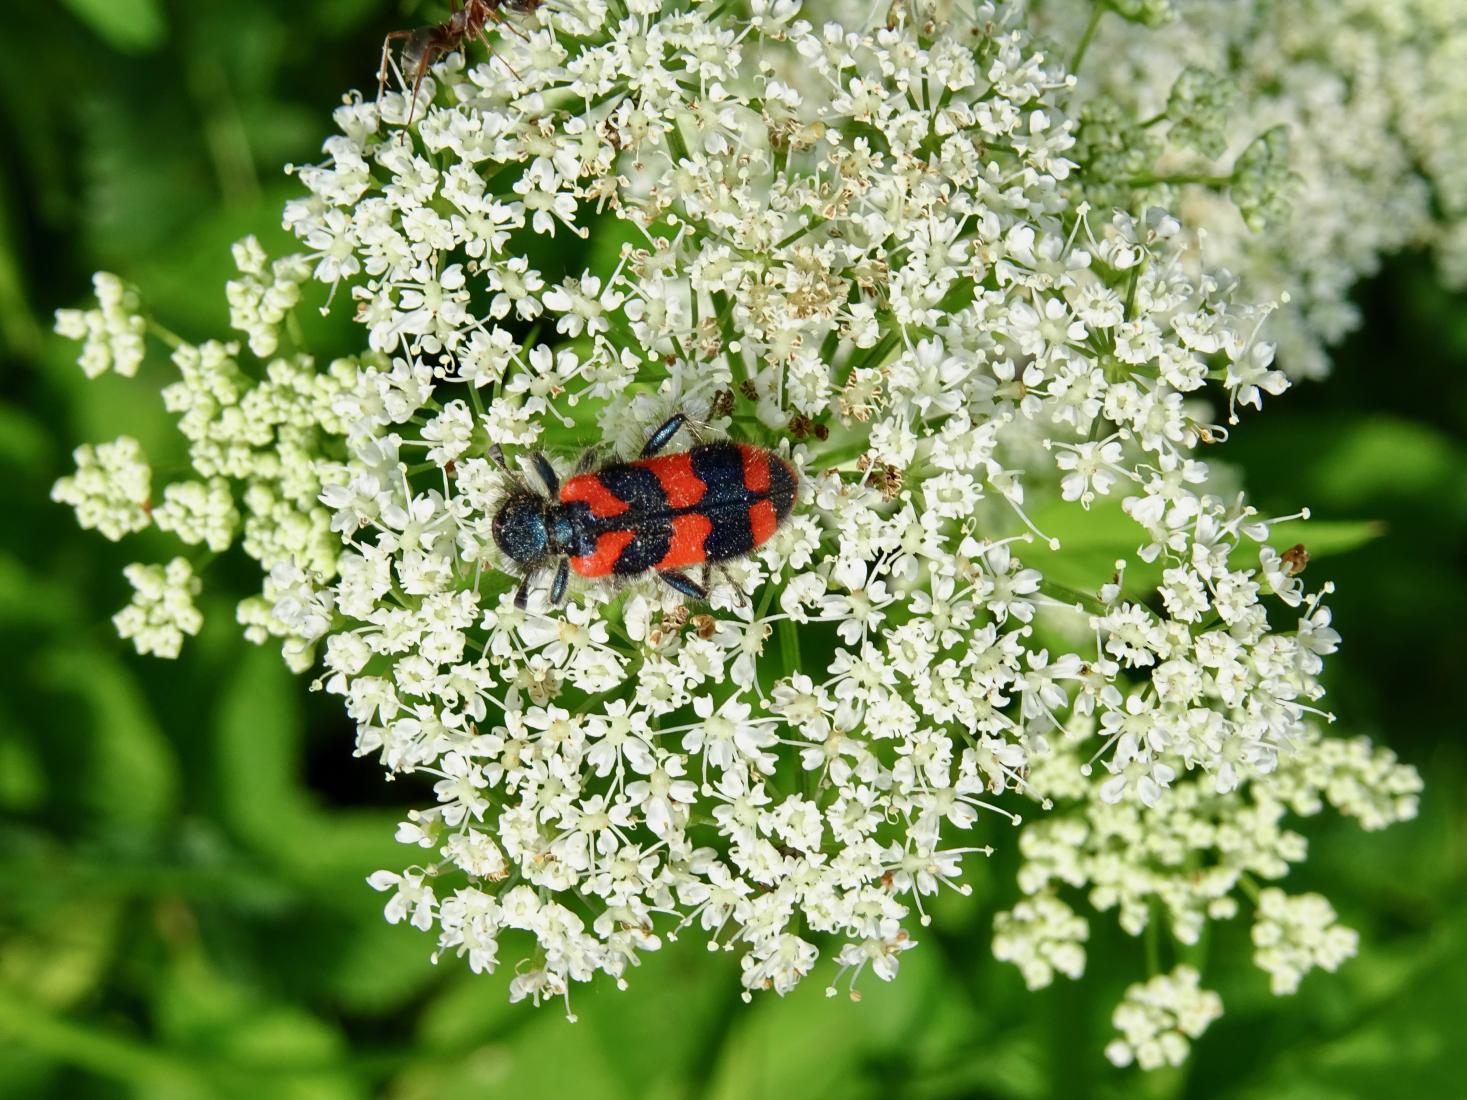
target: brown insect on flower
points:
(1295, 558)
(424, 45)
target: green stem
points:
(224, 131)
(676, 146)
(167, 335)
(1071, 596)
(1084, 44)
(789, 646)
(1151, 939)
(1180, 179)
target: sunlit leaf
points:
(133, 26)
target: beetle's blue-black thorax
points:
(572, 528)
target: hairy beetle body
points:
(659, 513)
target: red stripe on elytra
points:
(675, 473)
(756, 468)
(609, 546)
(591, 489)
(762, 521)
(686, 548)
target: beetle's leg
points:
(663, 435)
(546, 472)
(740, 599)
(562, 578)
(683, 583)
(587, 461)
(522, 593)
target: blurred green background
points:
(183, 846)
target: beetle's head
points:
(519, 528)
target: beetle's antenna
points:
(497, 454)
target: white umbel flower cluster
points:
(1159, 1019)
(866, 241)
(199, 512)
(865, 246)
(264, 295)
(258, 431)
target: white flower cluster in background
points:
(1293, 935)
(867, 244)
(1042, 936)
(1307, 137)
(162, 609)
(264, 295)
(1189, 854)
(112, 334)
(111, 488)
(1159, 1018)
(258, 434)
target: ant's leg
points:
(503, 22)
(493, 53)
(429, 54)
(387, 42)
(663, 435)
(546, 473)
(562, 578)
(683, 583)
(522, 593)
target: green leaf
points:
(1378, 457)
(262, 794)
(901, 1035)
(257, 730)
(376, 966)
(28, 600)
(22, 779)
(24, 444)
(110, 1052)
(1091, 542)
(125, 768)
(1325, 537)
(218, 1020)
(132, 26)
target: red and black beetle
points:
(661, 512)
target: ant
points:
(425, 45)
